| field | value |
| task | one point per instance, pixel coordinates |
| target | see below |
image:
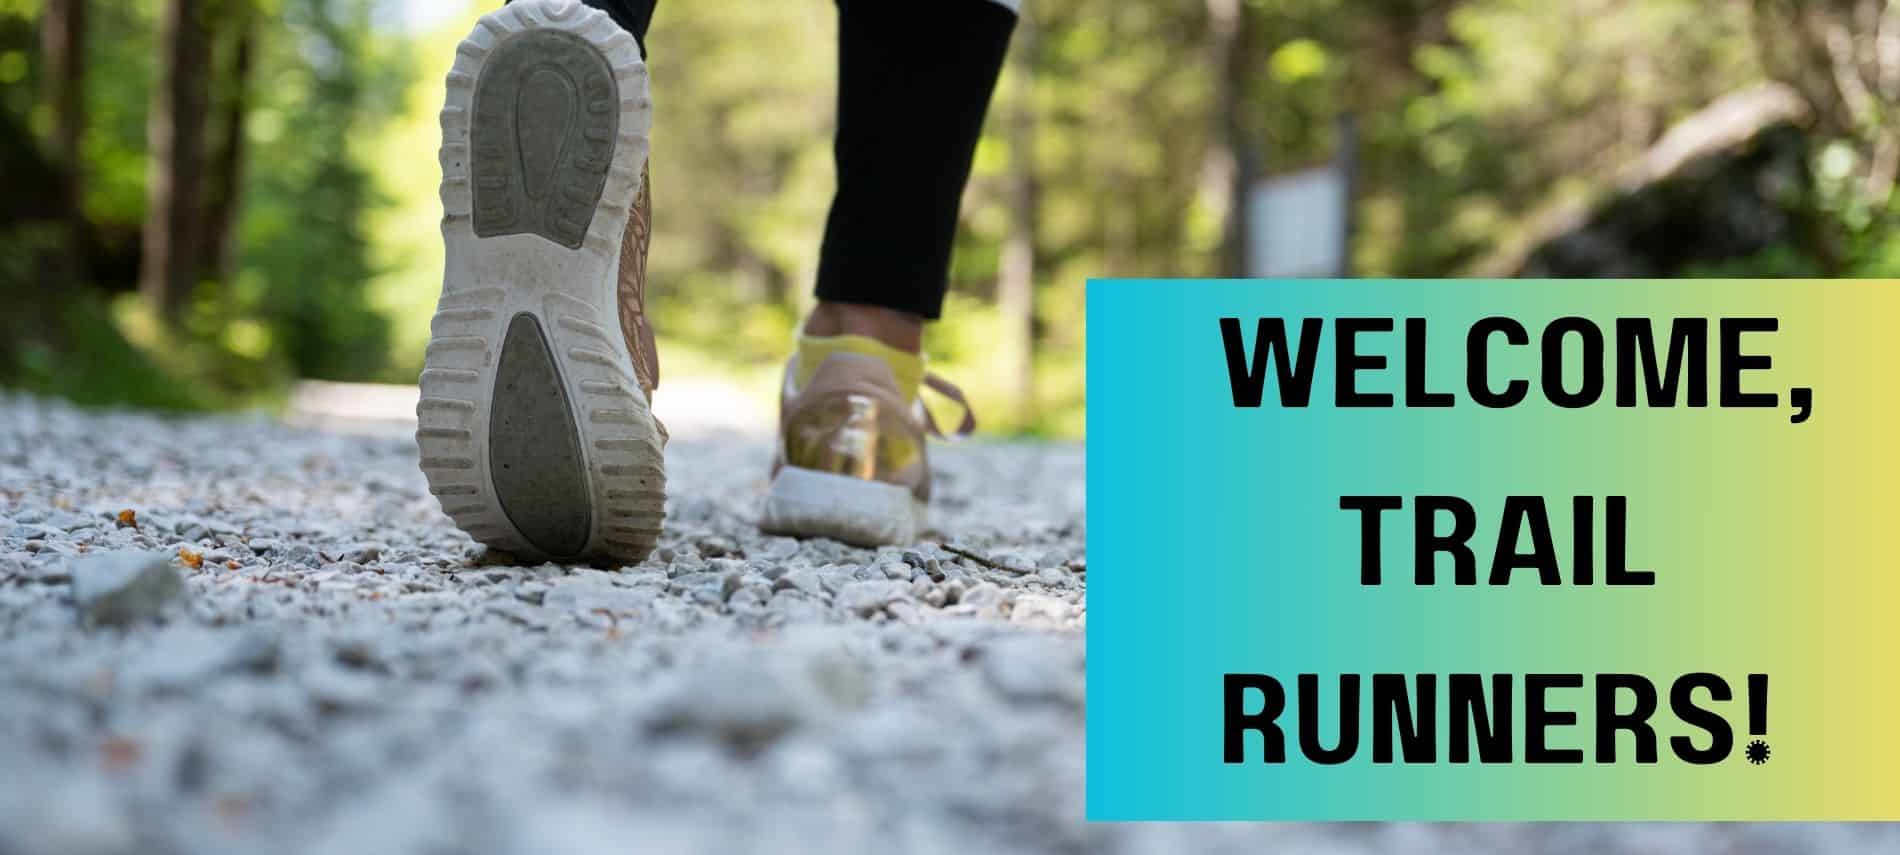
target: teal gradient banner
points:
(1218, 546)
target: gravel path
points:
(341, 671)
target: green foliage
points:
(1860, 235)
(78, 348)
(304, 266)
(297, 301)
(118, 95)
(1474, 115)
(95, 364)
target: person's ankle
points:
(899, 330)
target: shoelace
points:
(949, 390)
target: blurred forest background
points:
(207, 199)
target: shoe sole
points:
(534, 433)
(811, 503)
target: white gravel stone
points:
(75, 812)
(867, 598)
(184, 656)
(1028, 669)
(119, 588)
(982, 595)
(800, 580)
(747, 700)
(589, 596)
(1039, 609)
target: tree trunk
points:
(1016, 277)
(225, 175)
(63, 44)
(175, 135)
(1226, 172)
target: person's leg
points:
(914, 84)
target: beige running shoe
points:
(852, 463)
(535, 426)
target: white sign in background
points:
(1296, 224)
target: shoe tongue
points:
(907, 369)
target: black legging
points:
(914, 81)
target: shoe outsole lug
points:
(535, 457)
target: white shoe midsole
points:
(810, 503)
